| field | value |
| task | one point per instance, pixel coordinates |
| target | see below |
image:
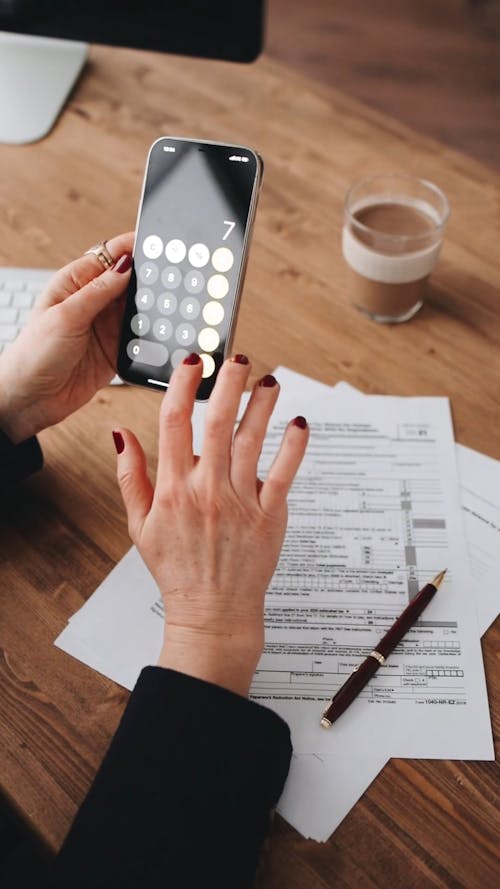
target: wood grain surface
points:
(434, 64)
(421, 824)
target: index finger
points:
(76, 274)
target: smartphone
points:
(191, 246)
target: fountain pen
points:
(362, 674)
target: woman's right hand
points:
(210, 532)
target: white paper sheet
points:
(374, 515)
(128, 601)
(320, 792)
(479, 479)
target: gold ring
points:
(103, 255)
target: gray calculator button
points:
(189, 308)
(140, 324)
(178, 356)
(144, 299)
(162, 329)
(148, 273)
(171, 277)
(194, 281)
(145, 352)
(185, 334)
(167, 303)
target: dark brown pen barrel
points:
(406, 620)
(351, 689)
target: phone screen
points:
(189, 259)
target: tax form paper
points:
(374, 515)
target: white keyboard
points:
(19, 289)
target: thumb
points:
(135, 486)
(82, 307)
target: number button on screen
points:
(145, 352)
(140, 324)
(148, 273)
(194, 282)
(185, 334)
(144, 298)
(189, 308)
(171, 277)
(162, 329)
(167, 303)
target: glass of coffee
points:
(392, 234)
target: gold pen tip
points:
(325, 723)
(438, 579)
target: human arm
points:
(185, 792)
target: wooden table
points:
(421, 824)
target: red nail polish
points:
(124, 263)
(301, 422)
(118, 440)
(240, 359)
(192, 359)
(268, 381)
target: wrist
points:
(222, 659)
(14, 411)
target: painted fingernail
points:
(268, 381)
(124, 263)
(192, 359)
(240, 359)
(301, 422)
(118, 440)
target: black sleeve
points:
(184, 794)
(17, 462)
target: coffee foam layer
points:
(390, 269)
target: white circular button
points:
(208, 339)
(213, 313)
(175, 250)
(208, 365)
(222, 259)
(198, 255)
(152, 247)
(217, 286)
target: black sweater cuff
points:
(183, 796)
(19, 461)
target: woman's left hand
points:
(68, 348)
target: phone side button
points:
(145, 352)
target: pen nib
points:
(438, 579)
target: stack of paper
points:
(384, 500)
